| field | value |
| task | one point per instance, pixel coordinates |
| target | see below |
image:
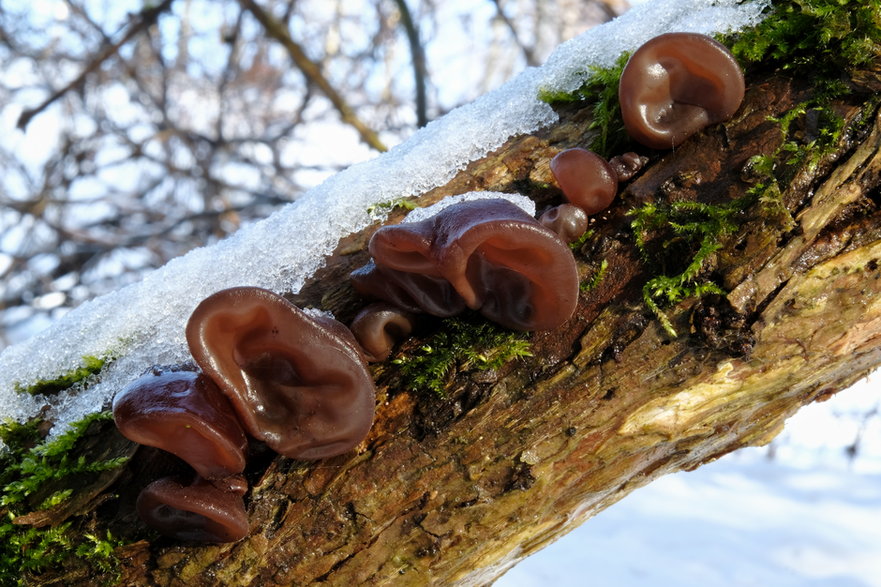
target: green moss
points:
(665, 234)
(594, 280)
(384, 208)
(601, 90)
(575, 246)
(811, 130)
(90, 366)
(464, 345)
(822, 38)
(28, 464)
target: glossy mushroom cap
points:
(587, 180)
(675, 85)
(378, 327)
(567, 221)
(184, 413)
(198, 511)
(298, 383)
(496, 257)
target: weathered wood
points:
(457, 488)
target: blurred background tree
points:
(135, 131)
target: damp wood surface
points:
(454, 488)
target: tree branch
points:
(147, 18)
(277, 30)
(419, 70)
(528, 52)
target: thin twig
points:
(418, 55)
(278, 31)
(528, 52)
(146, 19)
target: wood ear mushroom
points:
(195, 511)
(298, 383)
(184, 413)
(487, 255)
(675, 85)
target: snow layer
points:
(143, 323)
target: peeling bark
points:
(456, 489)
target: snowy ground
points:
(810, 516)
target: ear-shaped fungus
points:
(198, 511)
(587, 180)
(298, 383)
(497, 258)
(184, 413)
(567, 221)
(676, 84)
(378, 327)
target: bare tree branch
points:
(419, 70)
(528, 52)
(147, 18)
(277, 30)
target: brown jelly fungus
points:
(675, 85)
(487, 255)
(298, 383)
(197, 511)
(184, 413)
(378, 327)
(586, 179)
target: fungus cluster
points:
(486, 255)
(671, 87)
(299, 383)
(296, 382)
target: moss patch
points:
(600, 90)
(32, 475)
(665, 234)
(821, 37)
(595, 277)
(90, 366)
(384, 208)
(461, 345)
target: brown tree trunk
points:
(456, 487)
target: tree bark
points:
(457, 488)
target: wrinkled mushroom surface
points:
(184, 413)
(495, 257)
(298, 383)
(197, 511)
(675, 85)
(627, 165)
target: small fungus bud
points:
(568, 221)
(587, 180)
(378, 327)
(627, 165)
